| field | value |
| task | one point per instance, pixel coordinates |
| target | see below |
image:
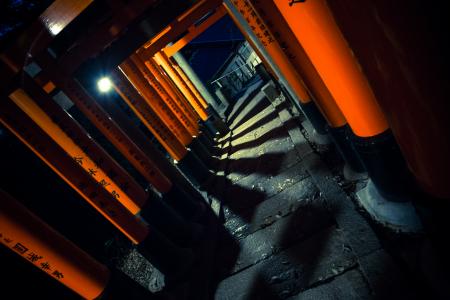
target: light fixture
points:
(104, 84)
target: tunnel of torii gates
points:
(386, 132)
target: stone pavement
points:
(291, 228)
(296, 231)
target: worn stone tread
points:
(286, 202)
(317, 259)
(348, 286)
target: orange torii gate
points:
(147, 237)
(182, 24)
(46, 137)
(173, 38)
(194, 31)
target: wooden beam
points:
(39, 35)
(60, 13)
(180, 25)
(194, 31)
(104, 34)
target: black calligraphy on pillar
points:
(20, 248)
(33, 257)
(292, 2)
(78, 159)
(103, 183)
(58, 274)
(92, 172)
(115, 194)
(46, 266)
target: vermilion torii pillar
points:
(387, 194)
(151, 243)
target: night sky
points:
(208, 52)
(15, 14)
